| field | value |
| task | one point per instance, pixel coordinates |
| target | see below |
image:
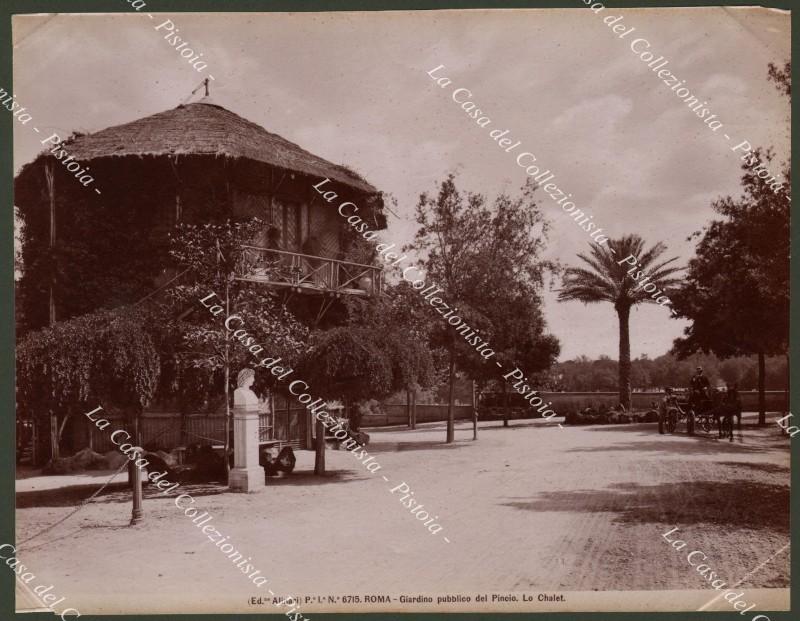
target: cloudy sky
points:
(353, 88)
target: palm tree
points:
(611, 279)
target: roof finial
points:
(197, 88)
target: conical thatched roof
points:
(208, 129)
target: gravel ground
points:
(532, 507)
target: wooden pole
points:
(135, 474)
(227, 382)
(408, 408)
(137, 515)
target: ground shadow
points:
(757, 466)
(116, 492)
(691, 445)
(151, 492)
(309, 478)
(119, 492)
(394, 447)
(517, 423)
(68, 496)
(644, 428)
(735, 504)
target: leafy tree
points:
(105, 253)
(608, 280)
(105, 357)
(582, 374)
(346, 363)
(739, 277)
(484, 257)
(202, 344)
(397, 323)
(521, 343)
(382, 348)
(394, 329)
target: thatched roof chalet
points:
(204, 128)
(198, 163)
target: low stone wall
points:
(397, 414)
(563, 404)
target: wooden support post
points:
(135, 475)
(408, 408)
(50, 180)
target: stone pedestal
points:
(246, 474)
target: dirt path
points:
(531, 507)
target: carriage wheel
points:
(286, 460)
(690, 423)
(705, 423)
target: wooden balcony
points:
(307, 274)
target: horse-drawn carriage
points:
(705, 411)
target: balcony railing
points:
(307, 273)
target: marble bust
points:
(243, 396)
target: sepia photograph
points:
(398, 310)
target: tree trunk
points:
(55, 453)
(505, 404)
(61, 427)
(319, 456)
(50, 179)
(451, 376)
(762, 414)
(624, 313)
(59, 434)
(474, 414)
(36, 451)
(414, 408)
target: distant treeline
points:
(583, 374)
